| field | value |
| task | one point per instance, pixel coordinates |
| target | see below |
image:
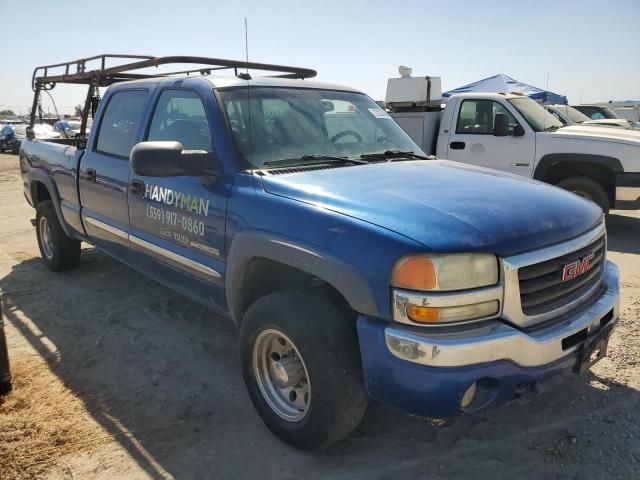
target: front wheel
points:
(301, 364)
(58, 251)
(587, 188)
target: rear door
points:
(178, 223)
(104, 171)
(472, 140)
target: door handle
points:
(457, 145)
(91, 175)
(136, 187)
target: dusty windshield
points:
(575, 115)
(535, 115)
(289, 123)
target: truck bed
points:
(55, 165)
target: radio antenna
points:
(246, 43)
(248, 77)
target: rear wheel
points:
(58, 251)
(301, 364)
(587, 188)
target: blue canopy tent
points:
(501, 83)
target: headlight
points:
(445, 272)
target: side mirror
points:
(518, 131)
(501, 125)
(169, 159)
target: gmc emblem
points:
(575, 269)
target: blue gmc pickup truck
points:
(353, 265)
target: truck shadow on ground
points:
(623, 233)
(147, 361)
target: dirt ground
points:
(160, 380)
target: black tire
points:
(327, 343)
(587, 188)
(61, 252)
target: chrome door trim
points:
(512, 309)
(179, 259)
(107, 228)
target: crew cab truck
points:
(353, 266)
(514, 134)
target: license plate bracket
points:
(593, 350)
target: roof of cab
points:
(229, 82)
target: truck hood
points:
(446, 206)
(612, 122)
(595, 133)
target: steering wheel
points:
(344, 133)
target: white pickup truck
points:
(513, 133)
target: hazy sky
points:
(589, 49)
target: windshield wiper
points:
(392, 154)
(311, 160)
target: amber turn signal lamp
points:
(415, 273)
(423, 314)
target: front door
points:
(104, 172)
(178, 223)
(473, 142)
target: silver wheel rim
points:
(281, 375)
(46, 239)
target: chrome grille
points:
(542, 288)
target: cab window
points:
(478, 116)
(120, 123)
(180, 116)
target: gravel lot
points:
(161, 375)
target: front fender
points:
(550, 160)
(249, 245)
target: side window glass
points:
(475, 117)
(478, 117)
(120, 123)
(499, 108)
(180, 116)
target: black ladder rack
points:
(80, 72)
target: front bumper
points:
(627, 191)
(427, 372)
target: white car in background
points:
(45, 131)
(571, 116)
(70, 128)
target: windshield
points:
(609, 113)
(535, 115)
(289, 123)
(575, 115)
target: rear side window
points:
(120, 123)
(180, 116)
